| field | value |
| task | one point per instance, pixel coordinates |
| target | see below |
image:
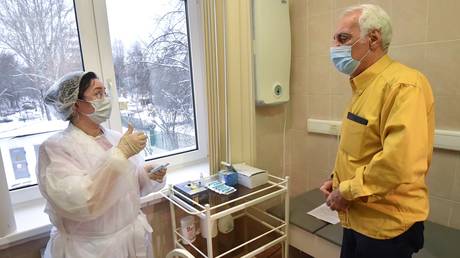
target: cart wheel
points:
(179, 253)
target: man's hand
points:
(326, 188)
(336, 202)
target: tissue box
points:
(250, 177)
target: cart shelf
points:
(254, 231)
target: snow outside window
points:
(39, 43)
(151, 58)
(157, 88)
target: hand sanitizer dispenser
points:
(272, 51)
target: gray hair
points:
(373, 17)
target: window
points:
(38, 43)
(147, 67)
(151, 59)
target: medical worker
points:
(92, 177)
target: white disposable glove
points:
(132, 143)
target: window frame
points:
(95, 45)
(197, 58)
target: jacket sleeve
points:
(404, 156)
(77, 193)
(147, 185)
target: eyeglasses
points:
(100, 95)
(342, 37)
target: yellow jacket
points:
(385, 150)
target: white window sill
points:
(32, 221)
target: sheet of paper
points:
(324, 213)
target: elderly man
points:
(378, 183)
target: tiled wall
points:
(426, 36)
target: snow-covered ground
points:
(24, 136)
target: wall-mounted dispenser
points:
(272, 50)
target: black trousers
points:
(356, 245)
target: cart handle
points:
(180, 206)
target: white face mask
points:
(102, 110)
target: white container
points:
(250, 177)
(187, 225)
(204, 228)
(226, 224)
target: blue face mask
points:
(341, 57)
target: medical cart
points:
(255, 231)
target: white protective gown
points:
(93, 197)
